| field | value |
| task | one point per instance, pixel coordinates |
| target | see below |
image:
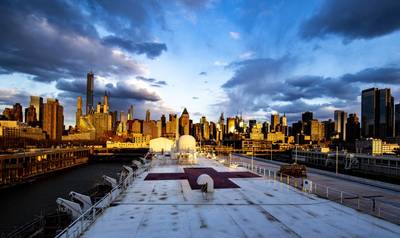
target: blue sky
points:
(211, 56)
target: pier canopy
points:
(186, 143)
(161, 144)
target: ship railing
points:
(372, 205)
(80, 225)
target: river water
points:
(21, 204)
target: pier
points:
(19, 167)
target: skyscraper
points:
(53, 119)
(284, 125)
(340, 118)
(131, 111)
(397, 119)
(30, 116)
(78, 111)
(329, 128)
(377, 113)
(252, 123)
(352, 128)
(148, 115)
(205, 128)
(172, 127)
(184, 126)
(306, 116)
(106, 106)
(17, 108)
(314, 130)
(230, 125)
(274, 121)
(89, 92)
(37, 102)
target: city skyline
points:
(257, 59)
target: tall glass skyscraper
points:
(340, 123)
(89, 92)
(37, 102)
(377, 113)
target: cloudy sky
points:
(211, 56)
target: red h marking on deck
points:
(221, 179)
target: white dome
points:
(186, 143)
(161, 144)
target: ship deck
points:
(258, 208)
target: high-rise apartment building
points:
(53, 119)
(30, 116)
(274, 121)
(148, 115)
(230, 125)
(397, 120)
(172, 127)
(184, 125)
(78, 113)
(340, 118)
(37, 102)
(17, 108)
(106, 105)
(205, 128)
(284, 125)
(131, 112)
(314, 130)
(163, 125)
(352, 128)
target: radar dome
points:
(186, 143)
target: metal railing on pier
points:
(80, 225)
(366, 204)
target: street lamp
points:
(271, 150)
(295, 159)
(252, 158)
(337, 159)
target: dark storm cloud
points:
(150, 80)
(387, 75)
(353, 19)
(131, 19)
(150, 49)
(155, 82)
(161, 82)
(203, 73)
(268, 84)
(310, 87)
(259, 70)
(58, 39)
(121, 89)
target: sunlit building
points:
(15, 129)
(53, 119)
(184, 124)
(30, 116)
(340, 118)
(230, 125)
(275, 137)
(274, 121)
(37, 102)
(78, 113)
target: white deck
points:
(259, 208)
